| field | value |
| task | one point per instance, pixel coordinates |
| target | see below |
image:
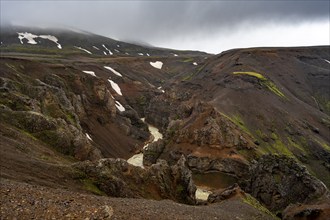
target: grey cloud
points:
(154, 21)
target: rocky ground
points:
(25, 201)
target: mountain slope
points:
(67, 110)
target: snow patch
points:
(92, 73)
(89, 137)
(127, 53)
(80, 48)
(160, 88)
(141, 54)
(112, 70)
(105, 53)
(115, 87)
(157, 64)
(119, 106)
(136, 160)
(96, 48)
(117, 51)
(118, 45)
(327, 61)
(175, 55)
(194, 63)
(51, 38)
(148, 55)
(30, 38)
(110, 53)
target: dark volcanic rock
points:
(152, 152)
(117, 178)
(228, 165)
(227, 193)
(277, 181)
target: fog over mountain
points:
(211, 26)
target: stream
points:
(137, 160)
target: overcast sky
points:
(211, 26)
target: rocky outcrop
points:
(117, 178)
(233, 166)
(303, 211)
(278, 181)
(152, 152)
(227, 193)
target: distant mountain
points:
(73, 41)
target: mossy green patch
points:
(188, 60)
(257, 75)
(264, 81)
(90, 186)
(323, 144)
(248, 199)
(294, 144)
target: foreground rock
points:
(25, 201)
(115, 177)
(278, 181)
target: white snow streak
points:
(157, 64)
(115, 87)
(175, 55)
(148, 55)
(112, 70)
(110, 53)
(80, 48)
(327, 61)
(92, 73)
(117, 51)
(89, 137)
(141, 54)
(119, 106)
(96, 48)
(194, 63)
(51, 38)
(160, 88)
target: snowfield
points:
(112, 70)
(157, 64)
(92, 73)
(80, 48)
(115, 87)
(30, 38)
